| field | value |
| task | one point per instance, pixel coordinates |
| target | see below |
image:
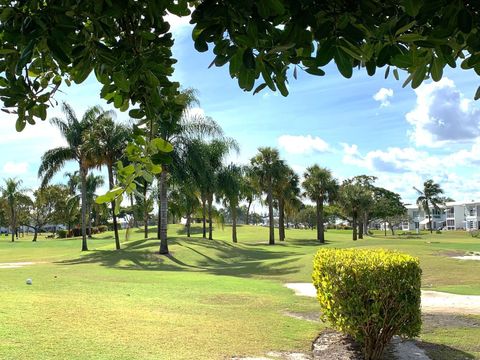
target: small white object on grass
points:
(29, 281)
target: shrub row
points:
(370, 295)
(78, 231)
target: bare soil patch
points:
(16, 265)
(313, 317)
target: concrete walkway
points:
(432, 301)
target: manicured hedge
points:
(369, 294)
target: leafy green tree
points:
(320, 187)
(285, 189)
(14, 194)
(45, 208)
(266, 166)
(230, 190)
(73, 131)
(307, 216)
(387, 207)
(129, 47)
(105, 144)
(430, 196)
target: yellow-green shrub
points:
(369, 294)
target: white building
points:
(453, 216)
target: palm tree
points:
(204, 159)
(250, 189)
(285, 188)
(230, 188)
(73, 130)
(179, 128)
(13, 194)
(106, 143)
(430, 196)
(93, 183)
(320, 187)
(266, 166)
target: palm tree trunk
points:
(320, 229)
(83, 178)
(204, 216)
(187, 225)
(145, 210)
(114, 216)
(14, 220)
(210, 225)
(247, 219)
(234, 223)
(163, 213)
(354, 226)
(281, 219)
(271, 238)
(89, 216)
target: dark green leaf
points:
(315, 71)
(477, 94)
(259, 88)
(464, 21)
(436, 69)
(344, 63)
(412, 7)
(248, 59)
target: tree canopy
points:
(127, 45)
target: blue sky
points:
(364, 125)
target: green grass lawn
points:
(210, 299)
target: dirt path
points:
(16, 265)
(432, 301)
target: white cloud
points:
(179, 24)
(442, 115)
(383, 96)
(13, 168)
(302, 144)
(393, 160)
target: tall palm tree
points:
(285, 188)
(73, 131)
(179, 128)
(320, 187)
(230, 189)
(431, 195)
(13, 194)
(205, 158)
(266, 166)
(106, 143)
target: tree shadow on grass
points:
(443, 352)
(195, 255)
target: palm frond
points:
(52, 161)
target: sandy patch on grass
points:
(16, 265)
(432, 301)
(467, 257)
